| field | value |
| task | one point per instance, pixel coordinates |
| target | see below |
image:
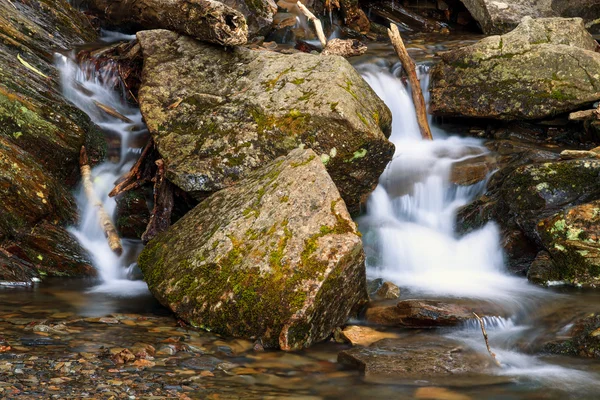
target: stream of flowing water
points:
(409, 238)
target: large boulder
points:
(275, 257)
(542, 68)
(501, 16)
(583, 339)
(217, 114)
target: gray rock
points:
(542, 68)
(217, 114)
(501, 16)
(275, 257)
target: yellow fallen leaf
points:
(31, 67)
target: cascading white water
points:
(409, 226)
(83, 85)
(409, 238)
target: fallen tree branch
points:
(485, 336)
(409, 67)
(315, 21)
(160, 219)
(112, 112)
(114, 242)
(138, 174)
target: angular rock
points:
(217, 114)
(542, 68)
(584, 339)
(132, 214)
(418, 314)
(275, 257)
(542, 270)
(258, 13)
(572, 237)
(428, 357)
(388, 290)
(496, 17)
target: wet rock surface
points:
(404, 359)
(542, 68)
(275, 257)
(418, 314)
(584, 339)
(218, 114)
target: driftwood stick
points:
(160, 219)
(114, 242)
(485, 336)
(134, 178)
(409, 67)
(112, 112)
(316, 22)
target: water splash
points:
(83, 84)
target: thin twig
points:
(485, 336)
(316, 22)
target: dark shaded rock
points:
(418, 314)
(572, 238)
(132, 214)
(259, 14)
(426, 358)
(29, 194)
(53, 251)
(275, 257)
(542, 68)
(584, 340)
(542, 269)
(217, 114)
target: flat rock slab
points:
(424, 358)
(275, 258)
(418, 314)
(216, 114)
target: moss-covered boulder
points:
(542, 68)
(572, 237)
(216, 114)
(274, 258)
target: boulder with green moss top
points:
(572, 237)
(216, 114)
(275, 257)
(542, 68)
(500, 16)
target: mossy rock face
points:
(29, 194)
(542, 68)
(584, 340)
(33, 112)
(275, 257)
(216, 114)
(572, 237)
(536, 191)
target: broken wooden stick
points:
(315, 21)
(112, 112)
(409, 67)
(160, 219)
(114, 242)
(137, 175)
(485, 336)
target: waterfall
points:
(82, 85)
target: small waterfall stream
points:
(83, 85)
(409, 238)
